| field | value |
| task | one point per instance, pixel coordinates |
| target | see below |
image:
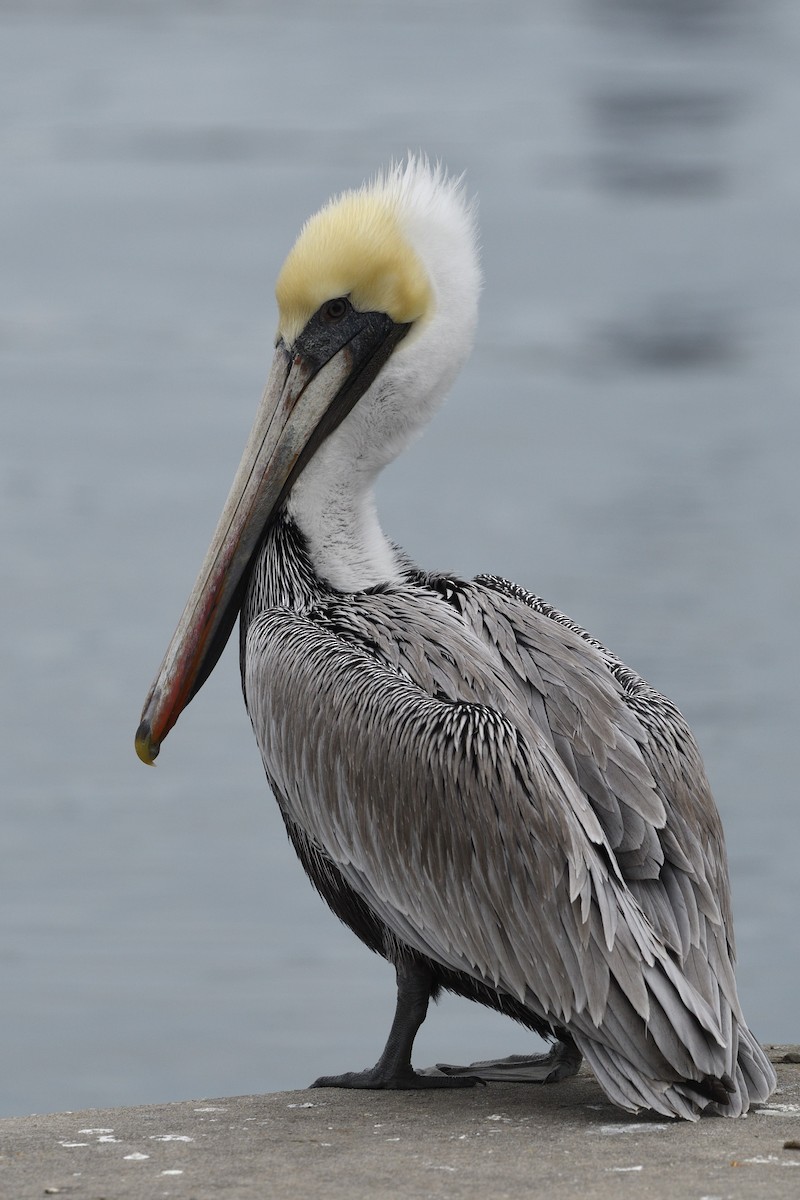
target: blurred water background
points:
(624, 442)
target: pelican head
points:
(377, 305)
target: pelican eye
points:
(335, 310)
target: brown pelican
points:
(487, 796)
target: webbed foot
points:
(406, 1080)
(561, 1062)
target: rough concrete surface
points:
(499, 1141)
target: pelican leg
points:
(393, 1069)
(561, 1062)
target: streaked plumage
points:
(487, 796)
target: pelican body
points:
(487, 796)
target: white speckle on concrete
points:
(770, 1110)
(640, 1168)
(396, 1139)
(175, 1171)
(308, 1104)
(107, 1137)
(211, 1108)
(498, 1117)
(634, 1127)
(95, 1131)
(170, 1137)
(70, 1145)
(135, 1157)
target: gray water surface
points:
(624, 442)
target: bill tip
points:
(146, 748)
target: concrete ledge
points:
(508, 1140)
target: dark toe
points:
(405, 1081)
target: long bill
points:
(309, 392)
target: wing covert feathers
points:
(516, 805)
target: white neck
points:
(334, 509)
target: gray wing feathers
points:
(484, 787)
(687, 897)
